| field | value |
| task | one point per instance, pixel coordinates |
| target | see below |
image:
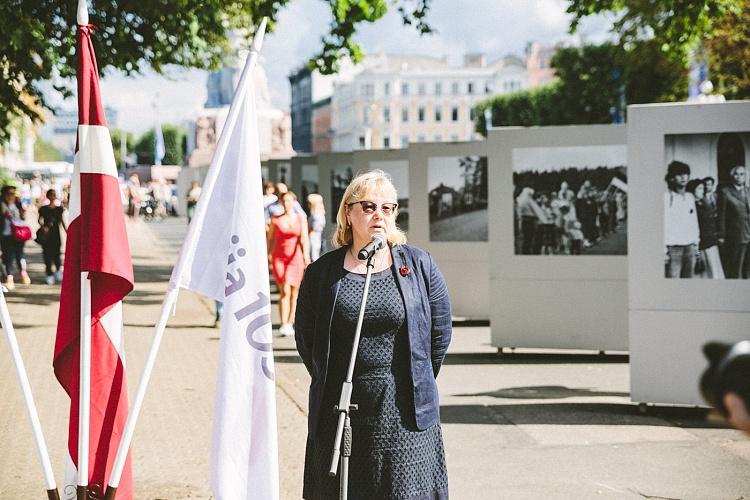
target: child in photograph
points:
(576, 238)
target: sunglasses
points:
(369, 207)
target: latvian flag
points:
(97, 244)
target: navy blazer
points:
(428, 319)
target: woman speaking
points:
(397, 446)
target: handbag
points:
(20, 232)
(41, 235)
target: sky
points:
(494, 27)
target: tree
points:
(174, 146)
(592, 82)
(44, 151)
(116, 136)
(38, 39)
(677, 26)
(729, 53)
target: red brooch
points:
(403, 270)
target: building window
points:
(367, 89)
(454, 137)
(386, 142)
(387, 88)
(438, 138)
(386, 114)
(405, 114)
(420, 113)
(472, 114)
(488, 87)
(362, 141)
(404, 89)
(438, 113)
(470, 88)
(438, 88)
(404, 141)
(420, 138)
(366, 115)
(454, 88)
(454, 113)
(421, 89)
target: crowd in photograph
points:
(553, 216)
(706, 227)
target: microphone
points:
(378, 242)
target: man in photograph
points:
(681, 232)
(734, 225)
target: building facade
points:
(395, 100)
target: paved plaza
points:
(530, 425)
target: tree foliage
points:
(174, 146)
(677, 26)
(592, 82)
(729, 53)
(44, 151)
(38, 38)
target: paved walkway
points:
(522, 426)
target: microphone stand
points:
(343, 450)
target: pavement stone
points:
(528, 425)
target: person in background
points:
(316, 223)
(708, 245)
(269, 195)
(134, 197)
(289, 254)
(50, 222)
(681, 232)
(397, 443)
(276, 208)
(576, 238)
(192, 199)
(12, 249)
(734, 225)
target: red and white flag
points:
(97, 244)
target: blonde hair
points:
(316, 204)
(361, 186)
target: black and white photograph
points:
(570, 200)
(457, 190)
(707, 206)
(340, 179)
(398, 170)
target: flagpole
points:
(84, 393)
(188, 249)
(23, 379)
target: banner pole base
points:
(111, 492)
(82, 492)
(53, 494)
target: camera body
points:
(728, 371)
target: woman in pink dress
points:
(289, 254)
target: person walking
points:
(397, 443)
(49, 236)
(289, 254)
(192, 199)
(12, 247)
(316, 222)
(734, 224)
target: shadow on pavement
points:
(575, 414)
(545, 392)
(531, 358)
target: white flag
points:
(224, 257)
